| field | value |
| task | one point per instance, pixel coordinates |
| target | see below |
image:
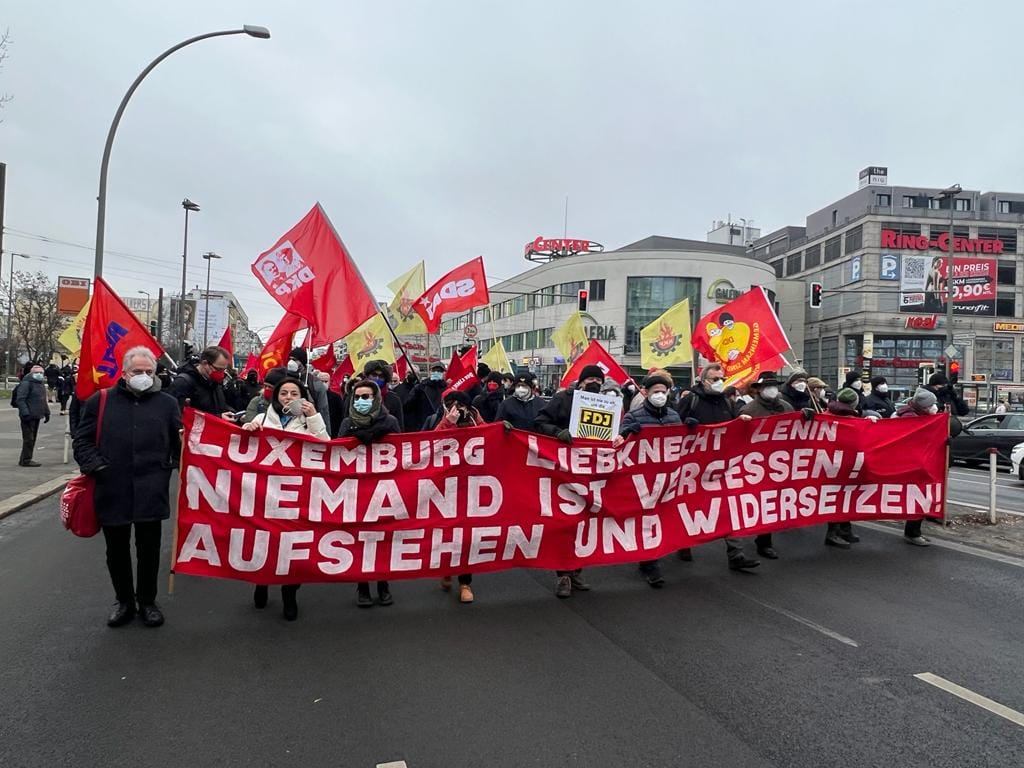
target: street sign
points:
(951, 351)
(471, 331)
(963, 338)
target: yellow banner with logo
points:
(666, 341)
(71, 339)
(407, 288)
(571, 339)
(370, 341)
(497, 358)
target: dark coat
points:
(384, 424)
(392, 404)
(488, 404)
(336, 406)
(706, 406)
(423, 402)
(948, 397)
(201, 393)
(521, 414)
(29, 398)
(759, 408)
(646, 415)
(554, 416)
(799, 400)
(881, 404)
(139, 446)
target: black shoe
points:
(30, 464)
(686, 555)
(122, 614)
(768, 553)
(654, 577)
(853, 538)
(260, 595)
(835, 540)
(743, 563)
(363, 597)
(291, 604)
(384, 593)
(151, 615)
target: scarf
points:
(363, 420)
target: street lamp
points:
(101, 211)
(10, 313)
(149, 306)
(189, 206)
(206, 316)
(950, 193)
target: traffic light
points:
(954, 372)
(582, 300)
(815, 298)
(152, 328)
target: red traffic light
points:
(954, 367)
(815, 297)
(582, 299)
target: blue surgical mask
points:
(380, 382)
(37, 377)
(363, 406)
(436, 376)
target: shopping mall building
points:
(874, 252)
(628, 288)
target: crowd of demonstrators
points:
(424, 401)
(488, 401)
(29, 397)
(201, 384)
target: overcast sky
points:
(443, 130)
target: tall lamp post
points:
(149, 307)
(950, 194)
(189, 206)
(206, 315)
(101, 209)
(10, 314)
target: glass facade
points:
(649, 297)
(899, 358)
(994, 357)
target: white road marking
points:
(1008, 484)
(974, 698)
(985, 509)
(395, 764)
(801, 620)
(956, 547)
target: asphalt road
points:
(971, 485)
(809, 661)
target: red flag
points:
(327, 362)
(462, 288)
(343, 370)
(311, 274)
(275, 351)
(252, 364)
(462, 370)
(110, 330)
(595, 354)
(744, 336)
(227, 343)
(402, 367)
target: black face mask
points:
(592, 387)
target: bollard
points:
(993, 454)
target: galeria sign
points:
(282, 508)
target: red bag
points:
(78, 500)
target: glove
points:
(46, 419)
(691, 422)
(630, 429)
(410, 378)
(507, 425)
(808, 414)
(565, 436)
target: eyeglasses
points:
(363, 397)
(716, 378)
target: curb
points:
(32, 495)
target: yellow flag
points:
(666, 341)
(571, 339)
(407, 288)
(497, 358)
(72, 336)
(370, 341)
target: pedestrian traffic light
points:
(815, 297)
(954, 372)
(582, 300)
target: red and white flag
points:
(226, 342)
(311, 274)
(595, 354)
(462, 370)
(463, 288)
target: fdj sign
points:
(596, 418)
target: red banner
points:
(744, 336)
(311, 274)
(278, 508)
(227, 343)
(327, 362)
(461, 371)
(595, 354)
(463, 288)
(110, 330)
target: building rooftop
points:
(662, 243)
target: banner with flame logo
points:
(666, 341)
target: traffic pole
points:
(993, 455)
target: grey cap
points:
(923, 399)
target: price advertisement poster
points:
(923, 285)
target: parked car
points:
(1017, 461)
(1002, 431)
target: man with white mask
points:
(880, 401)
(128, 440)
(521, 410)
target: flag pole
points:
(174, 530)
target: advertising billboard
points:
(923, 285)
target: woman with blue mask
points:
(290, 411)
(368, 421)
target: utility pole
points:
(3, 197)
(160, 316)
(950, 194)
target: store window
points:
(852, 351)
(649, 297)
(597, 290)
(994, 357)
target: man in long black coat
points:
(138, 447)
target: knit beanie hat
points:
(923, 399)
(298, 354)
(591, 372)
(848, 396)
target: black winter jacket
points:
(423, 402)
(758, 407)
(30, 399)
(384, 424)
(881, 404)
(201, 393)
(139, 447)
(554, 417)
(488, 404)
(521, 414)
(646, 415)
(706, 406)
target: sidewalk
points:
(21, 486)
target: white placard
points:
(594, 416)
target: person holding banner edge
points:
(553, 420)
(368, 420)
(290, 411)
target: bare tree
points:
(5, 42)
(35, 324)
